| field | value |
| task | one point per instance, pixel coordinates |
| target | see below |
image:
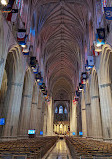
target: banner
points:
(33, 61)
(12, 16)
(90, 61)
(108, 13)
(21, 36)
(101, 33)
(95, 53)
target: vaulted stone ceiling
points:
(61, 27)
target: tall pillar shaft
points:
(25, 115)
(39, 115)
(73, 125)
(106, 110)
(96, 118)
(13, 105)
(49, 119)
(83, 112)
(88, 119)
(45, 123)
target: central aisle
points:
(60, 151)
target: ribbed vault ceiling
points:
(61, 26)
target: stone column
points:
(44, 126)
(88, 119)
(49, 119)
(39, 114)
(106, 110)
(25, 115)
(96, 118)
(73, 119)
(83, 112)
(42, 121)
(34, 119)
(13, 104)
(1, 48)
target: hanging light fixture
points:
(39, 78)
(80, 87)
(4, 2)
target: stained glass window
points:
(65, 111)
(56, 110)
(60, 110)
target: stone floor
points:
(60, 151)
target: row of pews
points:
(88, 148)
(34, 148)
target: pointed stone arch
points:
(105, 90)
(14, 71)
(95, 107)
(26, 100)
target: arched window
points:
(56, 110)
(60, 110)
(65, 111)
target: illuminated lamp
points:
(76, 99)
(83, 81)
(23, 45)
(43, 87)
(89, 62)
(84, 76)
(4, 2)
(80, 87)
(45, 93)
(26, 49)
(38, 80)
(38, 77)
(34, 64)
(35, 69)
(77, 93)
